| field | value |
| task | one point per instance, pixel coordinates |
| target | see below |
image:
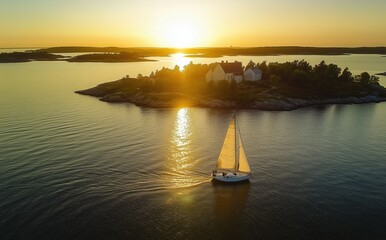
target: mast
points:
(236, 147)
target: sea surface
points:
(72, 167)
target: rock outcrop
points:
(270, 102)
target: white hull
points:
(231, 177)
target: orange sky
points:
(199, 23)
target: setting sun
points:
(180, 35)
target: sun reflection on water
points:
(180, 60)
(181, 162)
(181, 139)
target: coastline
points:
(276, 103)
(29, 56)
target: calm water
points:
(72, 167)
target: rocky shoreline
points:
(275, 103)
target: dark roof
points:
(235, 68)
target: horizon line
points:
(159, 47)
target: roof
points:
(235, 68)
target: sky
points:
(193, 23)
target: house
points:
(253, 74)
(225, 71)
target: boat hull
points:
(227, 178)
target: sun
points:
(180, 60)
(180, 35)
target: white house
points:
(253, 74)
(225, 71)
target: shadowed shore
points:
(270, 99)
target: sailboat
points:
(232, 164)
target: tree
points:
(251, 64)
(303, 65)
(223, 88)
(346, 76)
(299, 78)
(210, 87)
(374, 80)
(319, 72)
(325, 76)
(139, 76)
(264, 68)
(333, 72)
(195, 71)
(233, 87)
(146, 86)
(364, 79)
(274, 79)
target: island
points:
(109, 57)
(27, 56)
(39, 55)
(280, 86)
(381, 74)
(223, 51)
(205, 55)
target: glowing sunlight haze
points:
(199, 23)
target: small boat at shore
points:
(232, 164)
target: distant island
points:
(278, 86)
(117, 54)
(28, 56)
(224, 51)
(205, 55)
(109, 57)
(38, 55)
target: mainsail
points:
(243, 162)
(227, 158)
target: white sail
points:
(243, 162)
(227, 158)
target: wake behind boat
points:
(232, 164)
